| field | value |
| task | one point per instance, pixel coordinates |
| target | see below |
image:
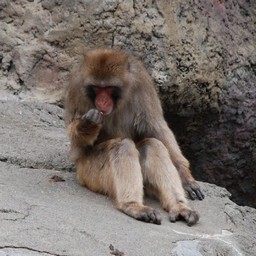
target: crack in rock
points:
(36, 165)
(15, 213)
(30, 249)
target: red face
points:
(104, 99)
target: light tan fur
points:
(133, 147)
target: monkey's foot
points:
(141, 212)
(190, 216)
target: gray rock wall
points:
(201, 54)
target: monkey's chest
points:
(116, 131)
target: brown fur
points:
(132, 147)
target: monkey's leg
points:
(113, 168)
(162, 177)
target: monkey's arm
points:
(181, 163)
(83, 131)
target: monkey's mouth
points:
(104, 106)
(103, 101)
(105, 112)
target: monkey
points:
(120, 142)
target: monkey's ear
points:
(86, 54)
(128, 64)
(85, 57)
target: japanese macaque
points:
(120, 142)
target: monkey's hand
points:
(93, 116)
(193, 190)
(90, 123)
(83, 131)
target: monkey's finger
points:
(194, 191)
(93, 115)
(191, 194)
(98, 118)
(88, 115)
(199, 194)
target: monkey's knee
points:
(155, 143)
(152, 148)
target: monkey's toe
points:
(155, 217)
(149, 215)
(190, 216)
(173, 216)
(141, 212)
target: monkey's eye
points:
(90, 91)
(90, 85)
(117, 93)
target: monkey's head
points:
(106, 78)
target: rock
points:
(202, 57)
(44, 211)
(30, 127)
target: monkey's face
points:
(106, 78)
(105, 98)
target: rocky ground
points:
(44, 211)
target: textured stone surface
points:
(26, 129)
(201, 54)
(41, 216)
